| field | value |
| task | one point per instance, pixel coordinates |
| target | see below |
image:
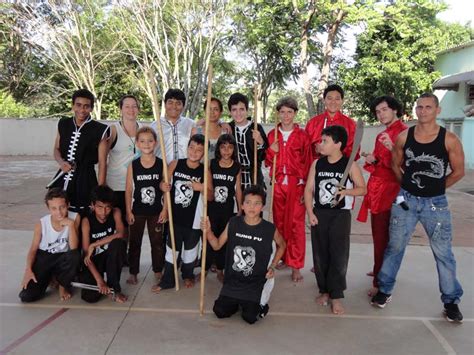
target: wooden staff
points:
(206, 182)
(156, 113)
(275, 139)
(255, 127)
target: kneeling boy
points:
(250, 259)
(54, 250)
(104, 246)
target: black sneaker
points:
(380, 299)
(264, 310)
(452, 312)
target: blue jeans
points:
(434, 215)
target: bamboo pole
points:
(255, 127)
(156, 113)
(275, 139)
(206, 182)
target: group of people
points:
(104, 213)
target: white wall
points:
(36, 137)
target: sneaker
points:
(452, 312)
(380, 299)
(264, 310)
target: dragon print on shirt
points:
(434, 167)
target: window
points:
(454, 126)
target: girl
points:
(143, 203)
(226, 177)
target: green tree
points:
(396, 53)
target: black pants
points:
(109, 262)
(186, 240)
(330, 242)
(63, 266)
(218, 224)
(155, 233)
(225, 306)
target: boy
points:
(54, 250)
(187, 176)
(103, 245)
(292, 147)
(331, 226)
(81, 142)
(246, 136)
(250, 259)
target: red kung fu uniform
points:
(316, 125)
(292, 165)
(382, 189)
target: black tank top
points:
(248, 253)
(100, 231)
(425, 165)
(185, 199)
(326, 180)
(147, 196)
(223, 180)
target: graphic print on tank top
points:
(99, 231)
(433, 167)
(183, 193)
(244, 259)
(327, 179)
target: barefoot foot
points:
(322, 299)
(296, 275)
(158, 276)
(337, 307)
(220, 276)
(156, 288)
(188, 283)
(132, 279)
(372, 291)
(64, 294)
(119, 298)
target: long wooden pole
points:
(156, 113)
(206, 182)
(275, 139)
(255, 127)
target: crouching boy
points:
(250, 259)
(104, 246)
(54, 250)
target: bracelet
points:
(272, 267)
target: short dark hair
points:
(427, 95)
(55, 192)
(85, 94)
(287, 102)
(103, 193)
(122, 99)
(223, 139)
(176, 94)
(237, 97)
(146, 129)
(255, 190)
(392, 102)
(337, 133)
(333, 87)
(197, 138)
(215, 99)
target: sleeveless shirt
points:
(248, 253)
(326, 180)
(100, 230)
(185, 199)
(425, 165)
(147, 196)
(54, 241)
(223, 180)
(120, 156)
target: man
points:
(419, 160)
(333, 99)
(177, 129)
(81, 142)
(383, 185)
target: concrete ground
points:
(170, 323)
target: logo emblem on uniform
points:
(327, 190)
(221, 193)
(148, 195)
(183, 193)
(244, 259)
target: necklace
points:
(122, 124)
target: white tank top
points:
(120, 156)
(53, 241)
